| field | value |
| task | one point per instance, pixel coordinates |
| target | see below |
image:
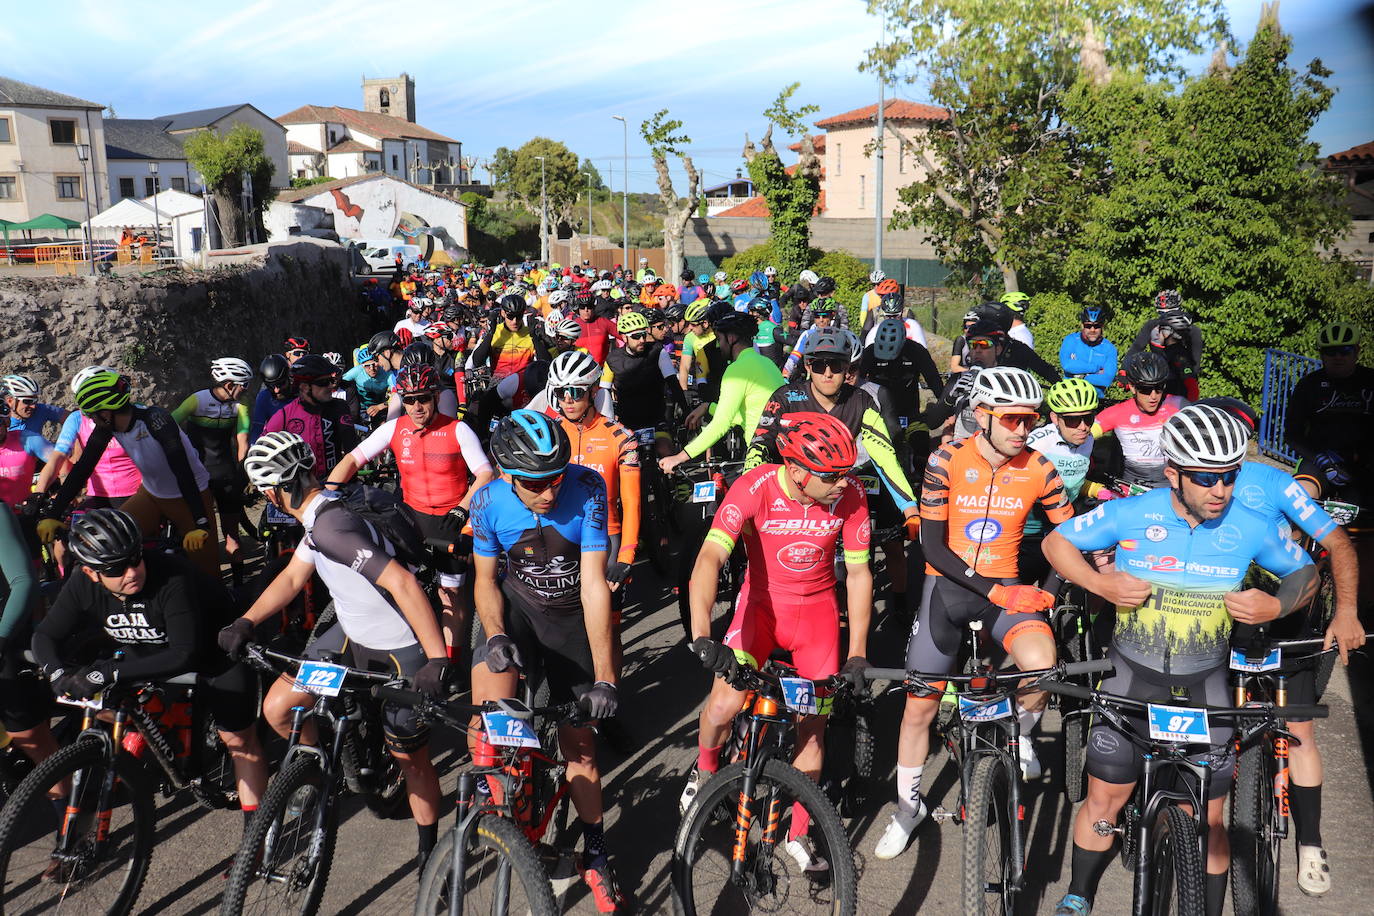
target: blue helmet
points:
(1093, 314)
(530, 444)
(758, 280)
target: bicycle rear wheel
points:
(1178, 884)
(1255, 845)
(92, 875)
(502, 874)
(988, 840)
(275, 870)
(772, 881)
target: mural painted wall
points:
(382, 207)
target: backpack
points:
(392, 518)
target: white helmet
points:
(644, 260)
(231, 369)
(601, 286)
(80, 378)
(574, 369)
(21, 386)
(770, 271)
(557, 298)
(888, 342)
(276, 459)
(1005, 386)
(568, 329)
(808, 277)
(1203, 436)
(335, 358)
(856, 346)
(720, 276)
(876, 277)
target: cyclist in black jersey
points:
(642, 377)
(1328, 421)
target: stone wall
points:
(164, 329)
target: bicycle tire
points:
(1255, 847)
(1075, 758)
(28, 820)
(286, 813)
(860, 784)
(988, 823)
(1179, 884)
(505, 843)
(214, 766)
(1324, 608)
(690, 848)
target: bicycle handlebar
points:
(264, 657)
(1063, 669)
(453, 710)
(1078, 691)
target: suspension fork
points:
(1281, 774)
(1143, 880)
(757, 755)
(104, 802)
(464, 825)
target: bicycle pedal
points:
(941, 816)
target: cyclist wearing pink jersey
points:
(789, 517)
(1138, 424)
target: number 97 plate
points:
(1179, 724)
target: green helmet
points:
(1338, 334)
(1014, 301)
(1072, 395)
(697, 311)
(631, 322)
(106, 390)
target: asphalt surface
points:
(662, 686)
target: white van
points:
(382, 258)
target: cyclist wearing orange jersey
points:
(975, 499)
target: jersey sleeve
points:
(67, 437)
(729, 410)
(1280, 554)
(349, 541)
(473, 456)
(935, 486)
(1053, 498)
(242, 422)
(594, 515)
(873, 435)
(733, 512)
(485, 542)
(857, 532)
(1096, 530)
(36, 445)
(378, 441)
(183, 411)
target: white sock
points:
(909, 789)
(1028, 719)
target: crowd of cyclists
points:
(536, 420)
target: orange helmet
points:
(886, 287)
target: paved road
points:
(662, 686)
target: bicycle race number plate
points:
(870, 484)
(274, 516)
(508, 731)
(1180, 724)
(704, 492)
(1271, 661)
(799, 695)
(974, 711)
(321, 678)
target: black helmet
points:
(1175, 320)
(688, 277)
(1092, 314)
(418, 352)
(632, 290)
(718, 310)
(986, 327)
(1236, 408)
(310, 367)
(736, 324)
(529, 444)
(1145, 368)
(383, 340)
(995, 311)
(105, 537)
(653, 315)
(274, 368)
(513, 306)
(825, 286)
(675, 312)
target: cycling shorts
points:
(809, 629)
(946, 610)
(451, 567)
(228, 494)
(555, 644)
(1112, 757)
(231, 697)
(403, 730)
(26, 700)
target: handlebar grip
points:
(1091, 666)
(1304, 712)
(398, 695)
(1067, 690)
(443, 545)
(885, 674)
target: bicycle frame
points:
(1000, 739)
(764, 711)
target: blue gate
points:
(1282, 370)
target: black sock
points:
(1305, 803)
(429, 835)
(1086, 869)
(1216, 893)
(593, 841)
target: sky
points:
(549, 67)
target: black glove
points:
(715, 656)
(616, 572)
(502, 654)
(458, 516)
(430, 680)
(601, 701)
(232, 638)
(853, 672)
(85, 683)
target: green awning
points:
(47, 221)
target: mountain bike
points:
(697, 490)
(729, 851)
(91, 853)
(283, 863)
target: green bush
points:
(307, 182)
(850, 274)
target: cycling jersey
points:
(20, 452)
(1094, 362)
(1183, 627)
(643, 384)
(370, 390)
(43, 414)
(434, 461)
(746, 387)
(265, 406)
(1139, 434)
(328, 429)
(213, 426)
(1278, 497)
(854, 408)
(596, 337)
(511, 351)
(543, 552)
(1071, 461)
(694, 345)
(901, 375)
(984, 510)
(1183, 354)
(608, 448)
(914, 333)
(1329, 414)
(115, 475)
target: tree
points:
(1006, 179)
(791, 197)
(587, 168)
(502, 164)
(561, 179)
(222, 160)
(661, 135)
(1217, 191)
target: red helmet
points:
(739, 286)
(417, 378)
(886, 287)
(406, 336)
(295, 343)
(818, 442)
(436, 330)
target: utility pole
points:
(543, 215)
(83, 152)
(625, 198)
(878, 179)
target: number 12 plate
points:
(1181, 724)
(321, 678)
(508, 731)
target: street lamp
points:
(83, 152)
(625, 198)
(543, 215)
(157, 216)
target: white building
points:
(379, 206)
(144, 158)
(179, 216)
(328, 141)
(223, 119)
(43, 136)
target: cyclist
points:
(414, 320)
(115, 476)
(21, 396)
(1138, 424)
(20, 451)
(384, 621)
(768, 340)
(294, 348)
(25, 701)
(275, 393)
(434, 456)
(216, 423)
(367, 388)
(822, 313)
(790, 518)
(597, 334)
(870, 299)
(1016, 303)
(890, 306)
(795, 299)
(975, 499)
(174, 482)
(641, 376)
(1174, 618)
(694, 368)
(1087, 353)
(130, 616)
(1173, 335)
(1328, 420)
(1067, 441)
(548, 519)
(509, 345)
(315, 415)
(899, 364)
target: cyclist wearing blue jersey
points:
(1087, 353)
(1181, 552)
(553, 609)
(367, 390)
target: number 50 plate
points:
(320, 678)
(1181, 724)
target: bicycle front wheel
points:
(501, 874)
(1178, 884)
(98, 861)
(769, 879)
(989, 873)
(283, 864)
(1255, 844)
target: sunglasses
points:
(538, 484)
(658, 327)
(117, 570)
(1017, 420)
(25, 402)
(1210, 479)
(1338, 351)
(981, 343)
(416, 398)
(571, 393)
(1149, 389)
(328, 384)
(637, 335)
(296, 352)
(836, 365)
(1076, 419)
(1091, 325)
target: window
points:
(126, 187)
(839, 159)
(178, 184)
(384, 97)
(68, 187)
(861, 191)
(333, 138)
(5, 135)
(9, 187)
(62, 131)
(395, 163)
(151, 186)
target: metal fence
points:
(1282, 370)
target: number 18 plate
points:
(1180, 724)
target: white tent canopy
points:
(179, 216)
(128, 212)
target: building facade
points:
(223, 119)
(43, 137)
(850, 181)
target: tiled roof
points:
(352, 146)
(758, 207)
(296, 148)
(129, 138)
(1354, 154)
(13, 92)
(893, 110)
(203, 117)
(817, 143)
(377, 125)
